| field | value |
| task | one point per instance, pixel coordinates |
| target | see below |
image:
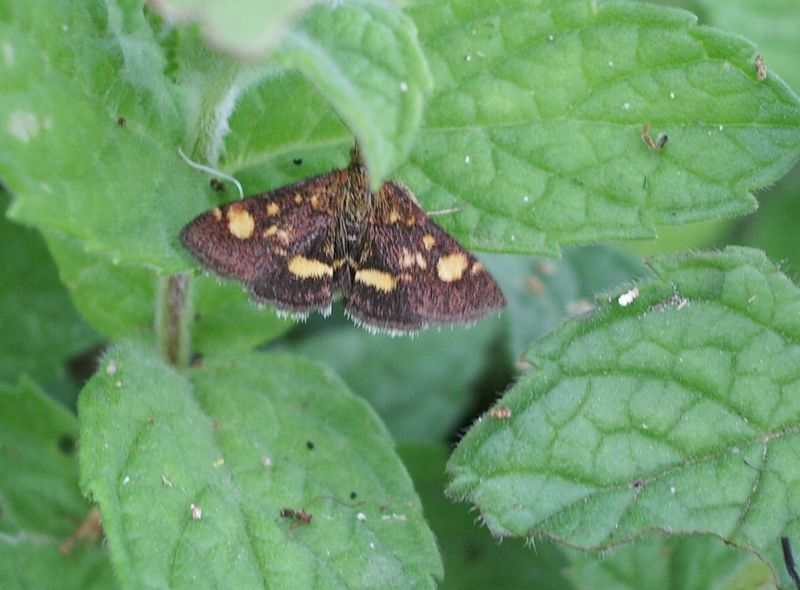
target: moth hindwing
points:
(299, 246)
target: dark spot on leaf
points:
(353, 495)
(217, 185)
(309, 445)
(66, 444)
(297, 161)
(122, 122)
(474, 552)
(638, 484)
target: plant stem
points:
(172, 318)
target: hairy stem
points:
(173, 317)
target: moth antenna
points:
(444, 211)
(210, 170)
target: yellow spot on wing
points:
(270, 231)
(407, 260)
(273, 209)
(394, 216)
(429, 241)
(420, 260)
(240, 222)
(306, 268)
(298, 198)
(451, 267)
(217, 213)
(377, 279)
(476, 268)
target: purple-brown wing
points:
(279, 244)
(411, 274)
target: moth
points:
(300, 246)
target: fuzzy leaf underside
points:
(244, 28)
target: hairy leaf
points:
(183, 464)
(675, 407)
(95, 101)
(539, 109)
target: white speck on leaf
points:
(466, 159)
(673, 489)
(468, 57)
(525, 199)
(672, 95)
(266, 462)
(403, 86)
(126, 480)
(361, 516)
(610, 63)
(111, 368)
(551, 37)
(626, 106)
(628, 297)
(23, 125)
(197, 512)
(8, 54)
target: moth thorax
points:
(356, 206)
(355, 216)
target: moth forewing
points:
(298, 246)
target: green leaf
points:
(472, 559)
(67, 75)
(240, 439)
(115, 181)
(119, 301)
(40, 327)
(543, 292)
(423, 386)
(245, 28)
(679, 563)
(677, 411)
(536, 121)
(40, 504)
(771, 24)
(366, 62)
